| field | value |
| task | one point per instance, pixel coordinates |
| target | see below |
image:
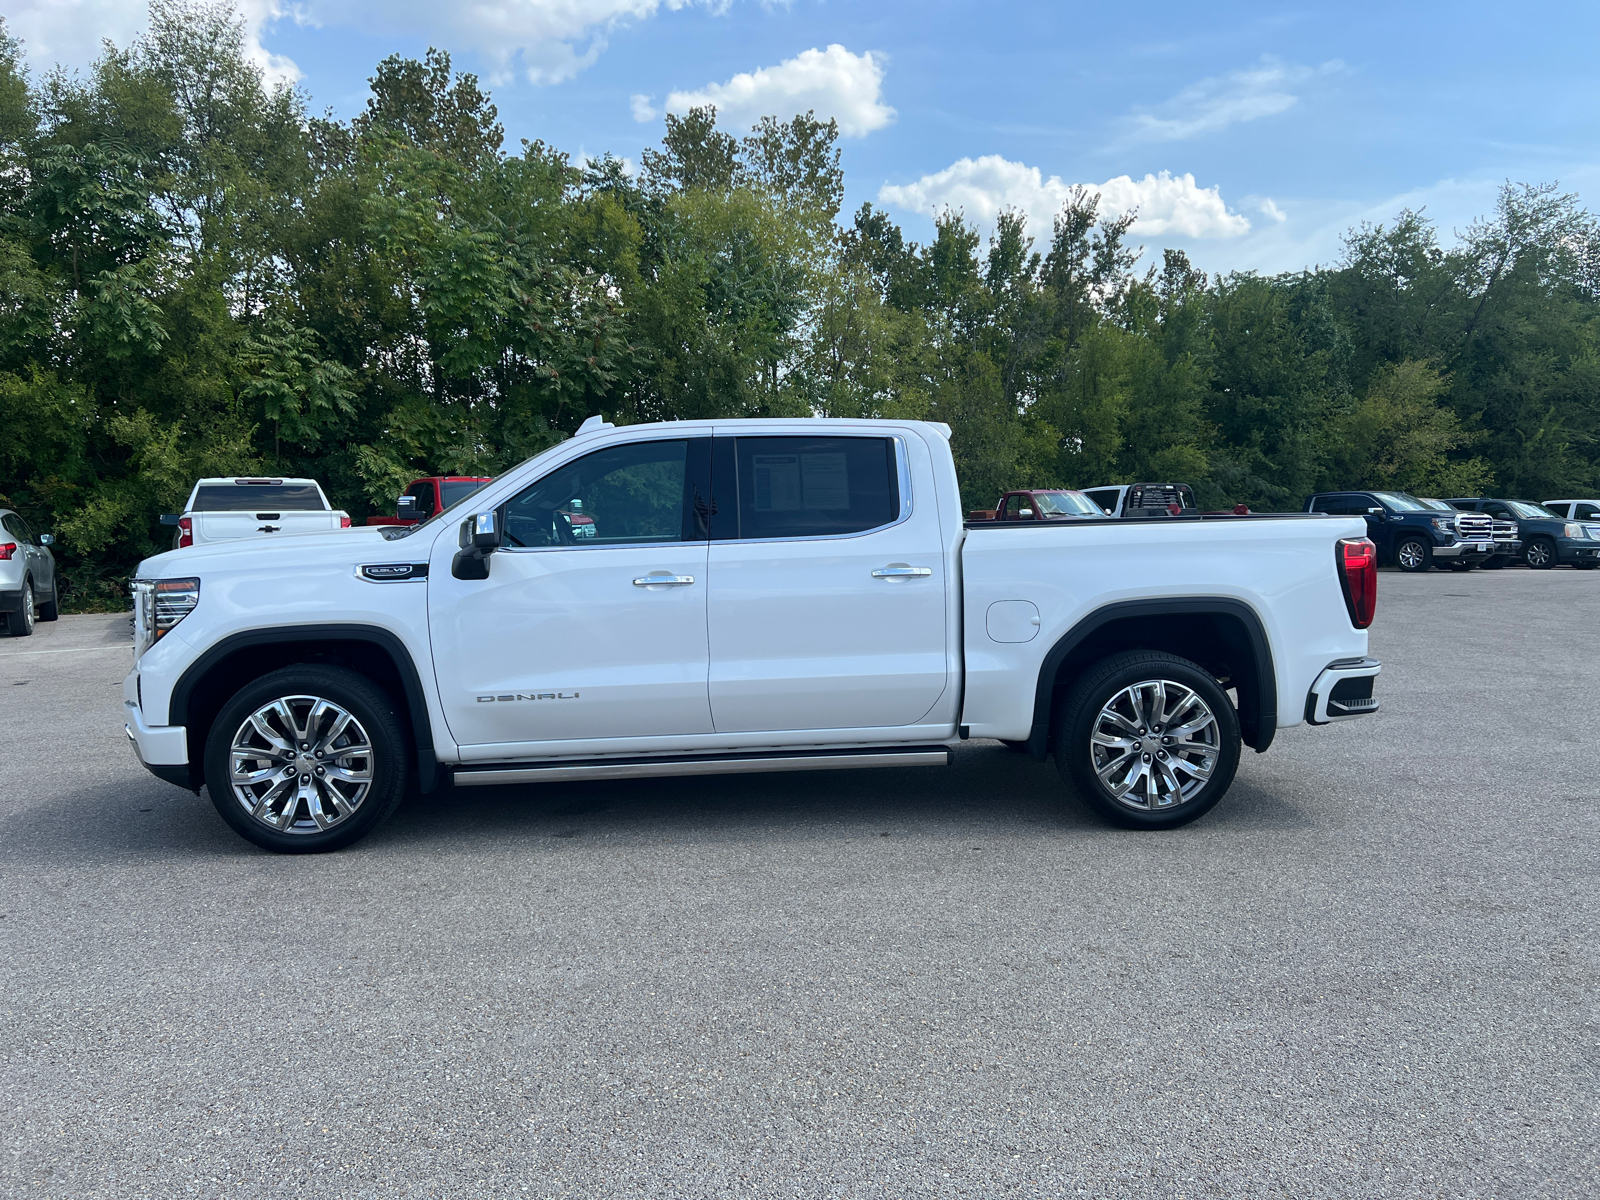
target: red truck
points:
(424, 497)
(1041, 504)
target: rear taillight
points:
(185, 532)
(344, 522)
(1357, 559)
(7, 549)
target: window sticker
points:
(778, 482)
(826, 480)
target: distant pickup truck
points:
(1040, 504)
(750, 595)
(431, 494)
(230, 510)
(1143, 499)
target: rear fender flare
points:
(1265, 724)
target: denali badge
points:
(528, 696)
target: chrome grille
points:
(1474, 525)
(1505, 531)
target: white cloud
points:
(1213, 104)
(70, 32)
(643, 110)
(833, 83)
(984, 187)
(551, 40)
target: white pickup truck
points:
(229, 510)
(775, 595)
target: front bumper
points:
(1577, 550)
(1471, 548)
(163, 750)
(1343, 691)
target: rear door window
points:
(1336, 506)
(807, 487)
(259, 497)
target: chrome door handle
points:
(902, 572)
(663, 580)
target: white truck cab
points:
(231, 509)
(705, 597)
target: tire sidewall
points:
(1549, 554)
(1102, 681)
(368, 703)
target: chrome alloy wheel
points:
(30, 613)
(1154, 745)
(300, 764)
(1410, 555)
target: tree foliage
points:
(198, 276)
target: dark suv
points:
(1547, 539)
(1411, 535)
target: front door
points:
(586, 629)
(827, 599)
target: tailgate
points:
(227, 526)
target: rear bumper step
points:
(490, 774)
(1343, 691)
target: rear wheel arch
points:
(1222, 634)
(213, 679)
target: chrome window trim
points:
(902, 458)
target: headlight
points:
(1444, 524)
(1575, 531)
(158, 605)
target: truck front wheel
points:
(1413, 554)
(306, 759)
(1149, 739)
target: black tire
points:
(1100, 687)
(386, 759)
(1415, 551)
(20, 623)
(1540, 554)
(50, 610)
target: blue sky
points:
(1250, 134)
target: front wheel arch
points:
(213, 678)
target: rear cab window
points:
(1106, 498)
(247, 496)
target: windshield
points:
(1523, 509)
(1400, 502)
(248, 496)
(1067, 504)
(1435, 505)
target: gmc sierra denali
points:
(757, 595)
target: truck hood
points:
(292, 550)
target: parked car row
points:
(1411, 532)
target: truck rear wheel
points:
(306, 759)
(1149, 739)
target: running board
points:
(702, 764)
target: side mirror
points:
(1374, 512)
(1025, 512)
(479, 538)
(406, 508)
(47, 539)
(171, 518)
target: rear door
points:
(827, 600)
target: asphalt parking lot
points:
(1370, 972)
